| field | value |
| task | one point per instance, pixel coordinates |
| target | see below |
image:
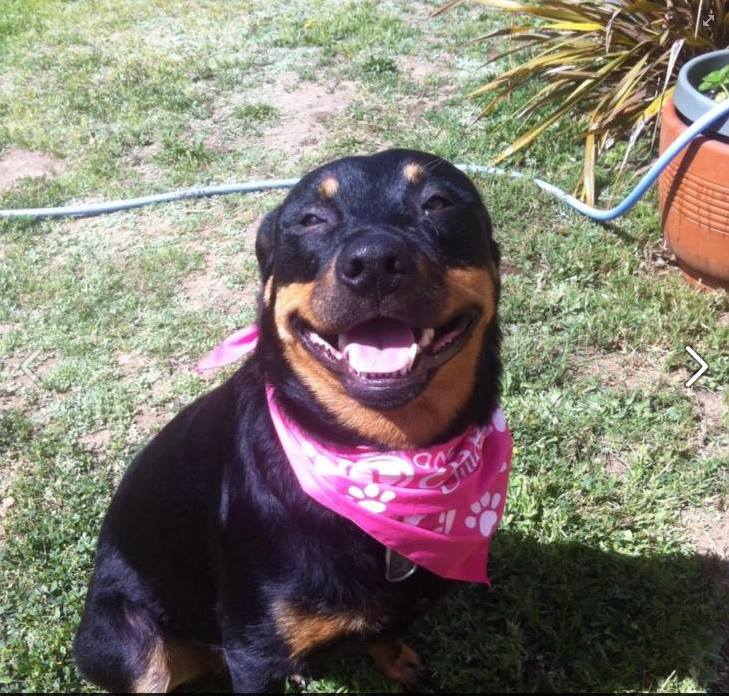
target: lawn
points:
(610, 572)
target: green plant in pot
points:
(716, 84)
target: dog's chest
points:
(351, 597)
(333, 580)
(343, 568)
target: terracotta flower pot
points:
(694, 191)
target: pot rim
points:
(691, 103)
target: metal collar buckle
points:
(397, 567)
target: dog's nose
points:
(376, 262)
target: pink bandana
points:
(231, 349)
(439, 506)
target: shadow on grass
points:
(568, 617)
(618, 230)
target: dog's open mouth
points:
(382, 354)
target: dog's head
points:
(380, 286)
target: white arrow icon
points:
(26, 369)
(704, 365)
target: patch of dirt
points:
(130, 363)
(148, 420)
(11, 402)
(121, 232)
(142, 159)
(40, 367)
(419, 13)
(251, 230)
(615, 466)
(17, 164)
(628, 370)
(27, 370)
(10, 399)
(206, 288)
(6, 502)
(419, 69)
(711, 407)
(305, 108)
(712, 404)
(202, 290)
(711, 412)
(97, 440)
(708, 529)
(646, 371)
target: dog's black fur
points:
(209, 530)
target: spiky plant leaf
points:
(608, 63)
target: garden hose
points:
(88, 210)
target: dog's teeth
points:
(380, 375)
(443, 344)
(426, 338)
(313, 336)
(412, 354)
(324, 345)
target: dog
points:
(211, 557)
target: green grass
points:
(597, 585)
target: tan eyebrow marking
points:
(413, 172)
(329, 187)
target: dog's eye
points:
(436, 203)
(310, 220)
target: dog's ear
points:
(495, 253)
(264, 243)
(495, 250)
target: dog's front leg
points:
(252, 671)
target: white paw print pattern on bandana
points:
(484, 513)
(370, 498)
(445, 522)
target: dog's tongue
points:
(379, 345)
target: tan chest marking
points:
(304, 630)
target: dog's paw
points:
(300, 681)
(399, 662)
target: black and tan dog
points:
(211, 557)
